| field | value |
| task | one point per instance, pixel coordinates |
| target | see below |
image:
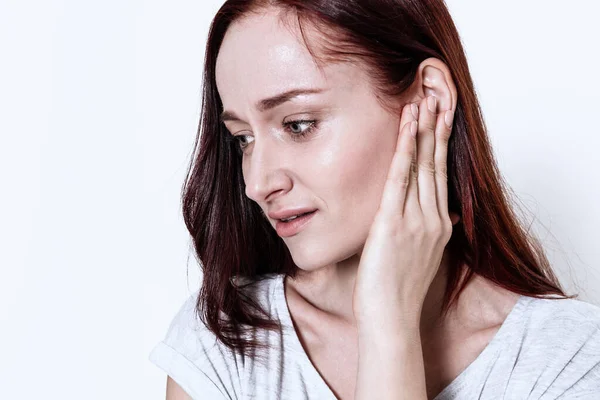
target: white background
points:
(99, 106)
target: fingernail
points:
(448, 117)
(431, 103)
(413, 128)
(415, 110)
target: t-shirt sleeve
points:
(567, 351)
(581, 375)
(192, 357)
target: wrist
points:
(388, 334)
(401, 321)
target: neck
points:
(327, 292)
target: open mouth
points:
(293, 226)
(296, 217)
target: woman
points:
(318, 198)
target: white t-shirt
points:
(545, 349)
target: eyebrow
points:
(271, 102)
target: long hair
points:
(390, 38)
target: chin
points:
(310, 258)
(309, 262)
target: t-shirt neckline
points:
(452, 387)
(296, 345)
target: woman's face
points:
(339, 167)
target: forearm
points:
(391, 366)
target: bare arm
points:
(391, 366)
(175, 392)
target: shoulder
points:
(550, 325)
(564, 332)
(193, 356)
(566, 315)
(187, 332)
(557, 346)
(186, 324)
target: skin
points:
(340, 168)
(175, 392)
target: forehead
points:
(261, 57)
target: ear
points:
(433, 78)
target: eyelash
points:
(295, 136)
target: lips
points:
(290, 212)
(293, 227)
(298, 216)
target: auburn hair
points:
(389, 38)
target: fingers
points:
(426, 143)
(417, 178)
(398, 178)
(443, 132)
(411, 205)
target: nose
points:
(265, 172)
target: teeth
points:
(294, 217)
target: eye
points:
(290, 126)
(312, 124)
(240, 145)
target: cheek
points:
(353, 171)
(351, 180)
